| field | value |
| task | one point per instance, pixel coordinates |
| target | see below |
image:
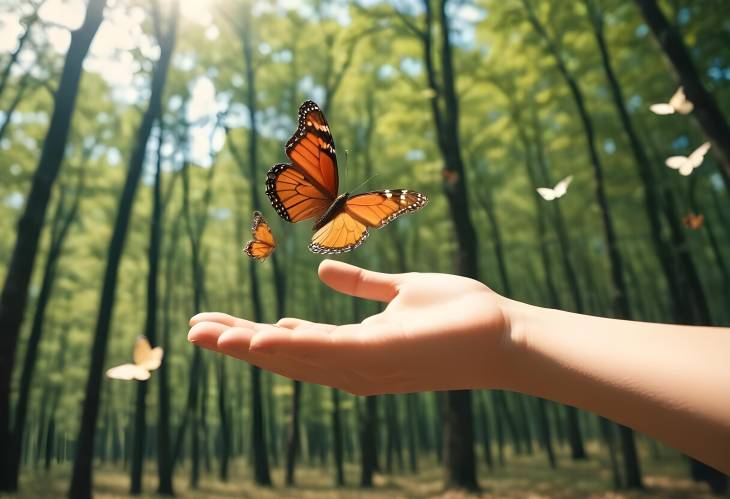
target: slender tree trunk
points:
(413, 447)
(486, 434)
(678, 289)
(22, 87)
(545, 434)
(620, 303)
(258, 435)
(62, 220)
(225, 431)
(368, 441)
(293, 444)
(153, 253)
(706, 110)
(82, 473)
(20, 267)
(337, 438)
(165, 457)
(458, 422)
(31, 20)
(688, 300)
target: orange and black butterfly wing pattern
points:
(342, 233)
(263, 242)
(293, 196)
(349, 228)
(307, 187)
(312, 148)
(379, 208)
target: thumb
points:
(355, 281)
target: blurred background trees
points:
(135, 138)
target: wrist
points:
(522, 322)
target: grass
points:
(521, 477)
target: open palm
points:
(437, 332)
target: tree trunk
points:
(292, 446)
(545, 434)
(165, 457)
(413, 447)
(31, 20)
(140, 435)
(63, 218)
(258, 435)
(337, 438)
(458, 422)
(20, 267)
(620, 303)
(225, 431)
(677, 287)
(22, 87)
(368, 441)
(706, 111)
(486, 434)
(81, 479)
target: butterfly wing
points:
(378, 208)
(349, 228)
(306, 188)
(154, 359)
(662, 108)
(680, 103)
(547, 193)
(312, 148)
(263, 243)
(676, 162)
(128, 372)
(562, 187)
(142, 349)
(293, 195)
(698, 155)
(342, 233)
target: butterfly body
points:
(336, 207)
(309, 188)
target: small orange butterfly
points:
(692, 221)
(263, 243)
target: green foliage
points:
(368, 64)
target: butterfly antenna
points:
(347, 170)
(364, 182)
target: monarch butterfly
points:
(556, 192)
(308, 188)
(693, 222)
(146, 359)
(263, 243)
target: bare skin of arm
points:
(443, 332)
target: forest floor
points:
(522, 477)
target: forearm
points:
(670, 382)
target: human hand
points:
(438, 332)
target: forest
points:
(575, 155)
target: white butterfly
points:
(146, 359)
(686, 164)
(677, 104)
(556, 192)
